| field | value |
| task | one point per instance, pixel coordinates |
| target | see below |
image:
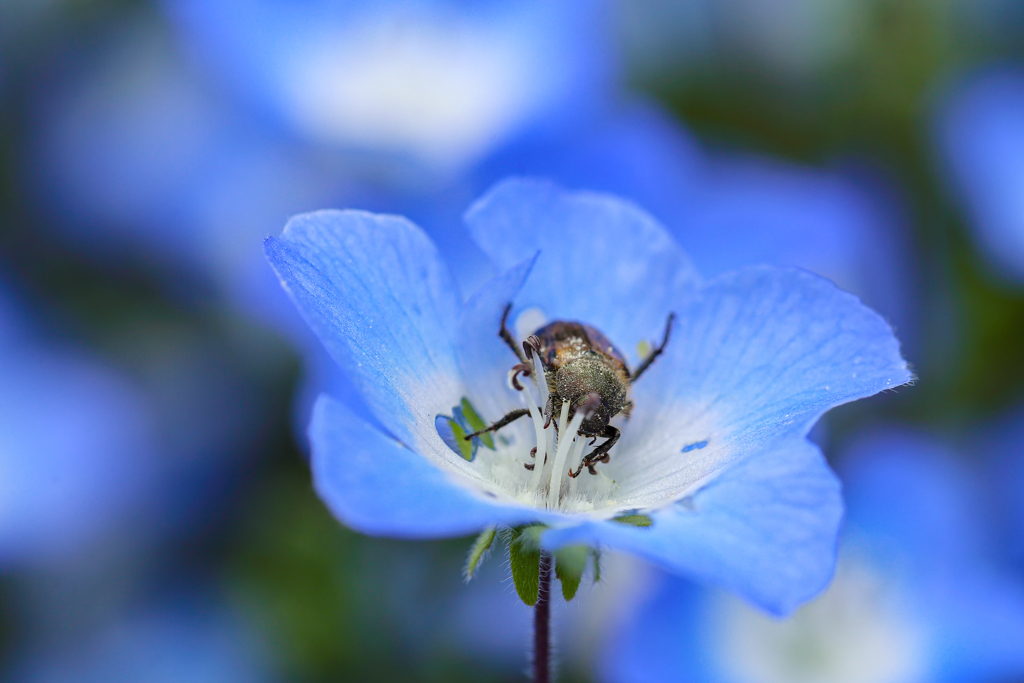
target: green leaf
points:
(596, 554)
(524, 558)
(476, 422)
(635, 520)
(465, 447)
(570, 562)
(478, 552)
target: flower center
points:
(536, 466)
(532, 460)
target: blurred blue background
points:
(157, 521)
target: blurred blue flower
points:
(77, 446)
(137, 155)
(93, 455)
(185, 635)
(437, 83)
(980, 135)
(1001, 447)
(917, 595)
(714, 451)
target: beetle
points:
(582, 367)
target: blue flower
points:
(754, 359)
(980, 134)
(438, 83)
(76, 446)
(917, 595)
(1000, 447)
(90, 452)
(138, 154)
(185, 635)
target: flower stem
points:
(542, 624)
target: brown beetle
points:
(581, 367)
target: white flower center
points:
(856, 632)
(541, 478)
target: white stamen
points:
(564, 444)
(574, 459)
(550, 438)
(538, 428)
(542, 382)
(563, 418)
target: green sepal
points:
(524, 559)
(465, 447)
(596, 554)
(477, 423)
(570, 563)
(634, 520)
(478, 551)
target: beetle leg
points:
(510, 417)
(599, 454)
(507, 337)
(549, 412)
(656, 351)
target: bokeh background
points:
(157, 521)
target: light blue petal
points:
(603, 261)
(757, 356)
(766, 529)
(376, 293)
(484, 358)
(377, 486)
(782, 346)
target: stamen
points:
(576, 456)
(542, 383)
(549, 435)
(564, 444)
(519, 369)
(538, 428)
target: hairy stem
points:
(542, 625)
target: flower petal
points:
(484, 358)
(603, 261)
(377, 486)
(376, 293)
(766, 529)
(758, 356)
